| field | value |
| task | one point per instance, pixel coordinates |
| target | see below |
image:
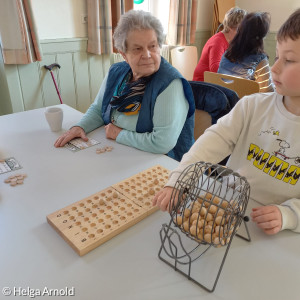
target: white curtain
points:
(182, 22)
(103, 16)
(18, 35)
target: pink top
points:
(211, 55)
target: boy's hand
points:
(268, 218)
(163, 198)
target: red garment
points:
(211, 55)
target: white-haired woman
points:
(143, 102)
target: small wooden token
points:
(100, 150)
(16, 179)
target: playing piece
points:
(16, 179)
(104, 149)
(90, 222)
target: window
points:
(159, 9)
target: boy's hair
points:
(290, 28)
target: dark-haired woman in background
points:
(245, 56)
(216, 46)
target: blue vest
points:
(244, 69)
(159, 82)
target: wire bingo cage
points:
(207, 206)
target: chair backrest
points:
(185, 60)
(212, 102)
(202, 121)
(241, 86)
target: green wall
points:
(31, 86)
(25, 87)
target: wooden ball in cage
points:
(208, 203)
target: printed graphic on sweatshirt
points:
(278, 164)
(272, 130)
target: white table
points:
(33, 255)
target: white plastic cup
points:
(54, 117)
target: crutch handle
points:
(50, 67)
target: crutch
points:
(50, 67)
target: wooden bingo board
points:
(90, 222)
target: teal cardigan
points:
(159, 82)
(167, 128)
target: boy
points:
(262, 135)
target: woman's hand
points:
(268, 218)
(74, 132)
(112, 131)
(163, 199)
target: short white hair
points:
(136, 20)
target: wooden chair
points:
(211, 102)
(202, 122)
(241, 86)
(185, 60)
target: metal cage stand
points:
(187, 192)
(171, 250)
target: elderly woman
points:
(143, 102)
(216, 46)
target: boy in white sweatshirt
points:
(261, 134)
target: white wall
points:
(279, 9)
(62, 18)
(205, 14)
